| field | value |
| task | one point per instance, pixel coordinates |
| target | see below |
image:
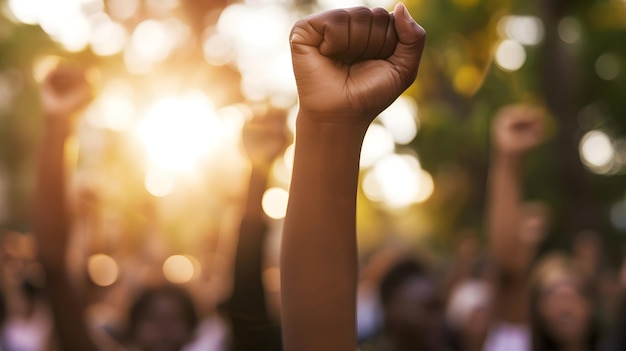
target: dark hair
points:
(541, 338)
(145, 299)
(400, 273)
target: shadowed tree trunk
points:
(577, 208)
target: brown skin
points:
(64, 93)
(264, 139)
(515, 131)
(566, 313)
(561, 305)
(345, 76)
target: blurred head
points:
(468, 309)
(162, 319)
(412, 305)
(561, 306)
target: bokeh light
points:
(107, 37)
(123, 9)
(288, 156)
(618, 215)
(179, 132)
(64, 21)
(218, 49)
(569, 30)
(510, 55)
(159, 182)
(178, 269)
(526, 30)
(262, 53)
(467, 79)
(608, 66)
(114, 108)
(275, 202)
(150, 43)
(102, 269)
(282, 169)
(398, 181)
(377, 143)
(400, 119)
(596, 151)
(26, 11)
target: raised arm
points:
(515, 131)
(264, 138)
(349, 66)
(64, 92)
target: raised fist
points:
(265, 137)
(65, 91)
(353, 63)
(518, 129)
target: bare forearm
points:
(52, 227)
(257, 185)
(249, 310)
(51, 217)
(319, 242)
(504, 214)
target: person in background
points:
(412, 301)
(514, 232)
(469, 292)
(550, 309)
(163, 318)
(26, 322)
(264, 139)
(562, 307)
(349, 64)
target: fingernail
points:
(407, 15)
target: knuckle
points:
(361, 13)
(380, 14)
(340, 16)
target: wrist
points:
(508, 156)
(338, 116)
(58, 123)
(507, 160)
(261, 168)
(331, 127)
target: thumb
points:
(411, 39)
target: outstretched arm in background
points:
(264, 138)
(515, 131)
(64, 92)
(349, 66)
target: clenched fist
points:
(65, 91)
(350, 64)
(265, 137)
(517, 129)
